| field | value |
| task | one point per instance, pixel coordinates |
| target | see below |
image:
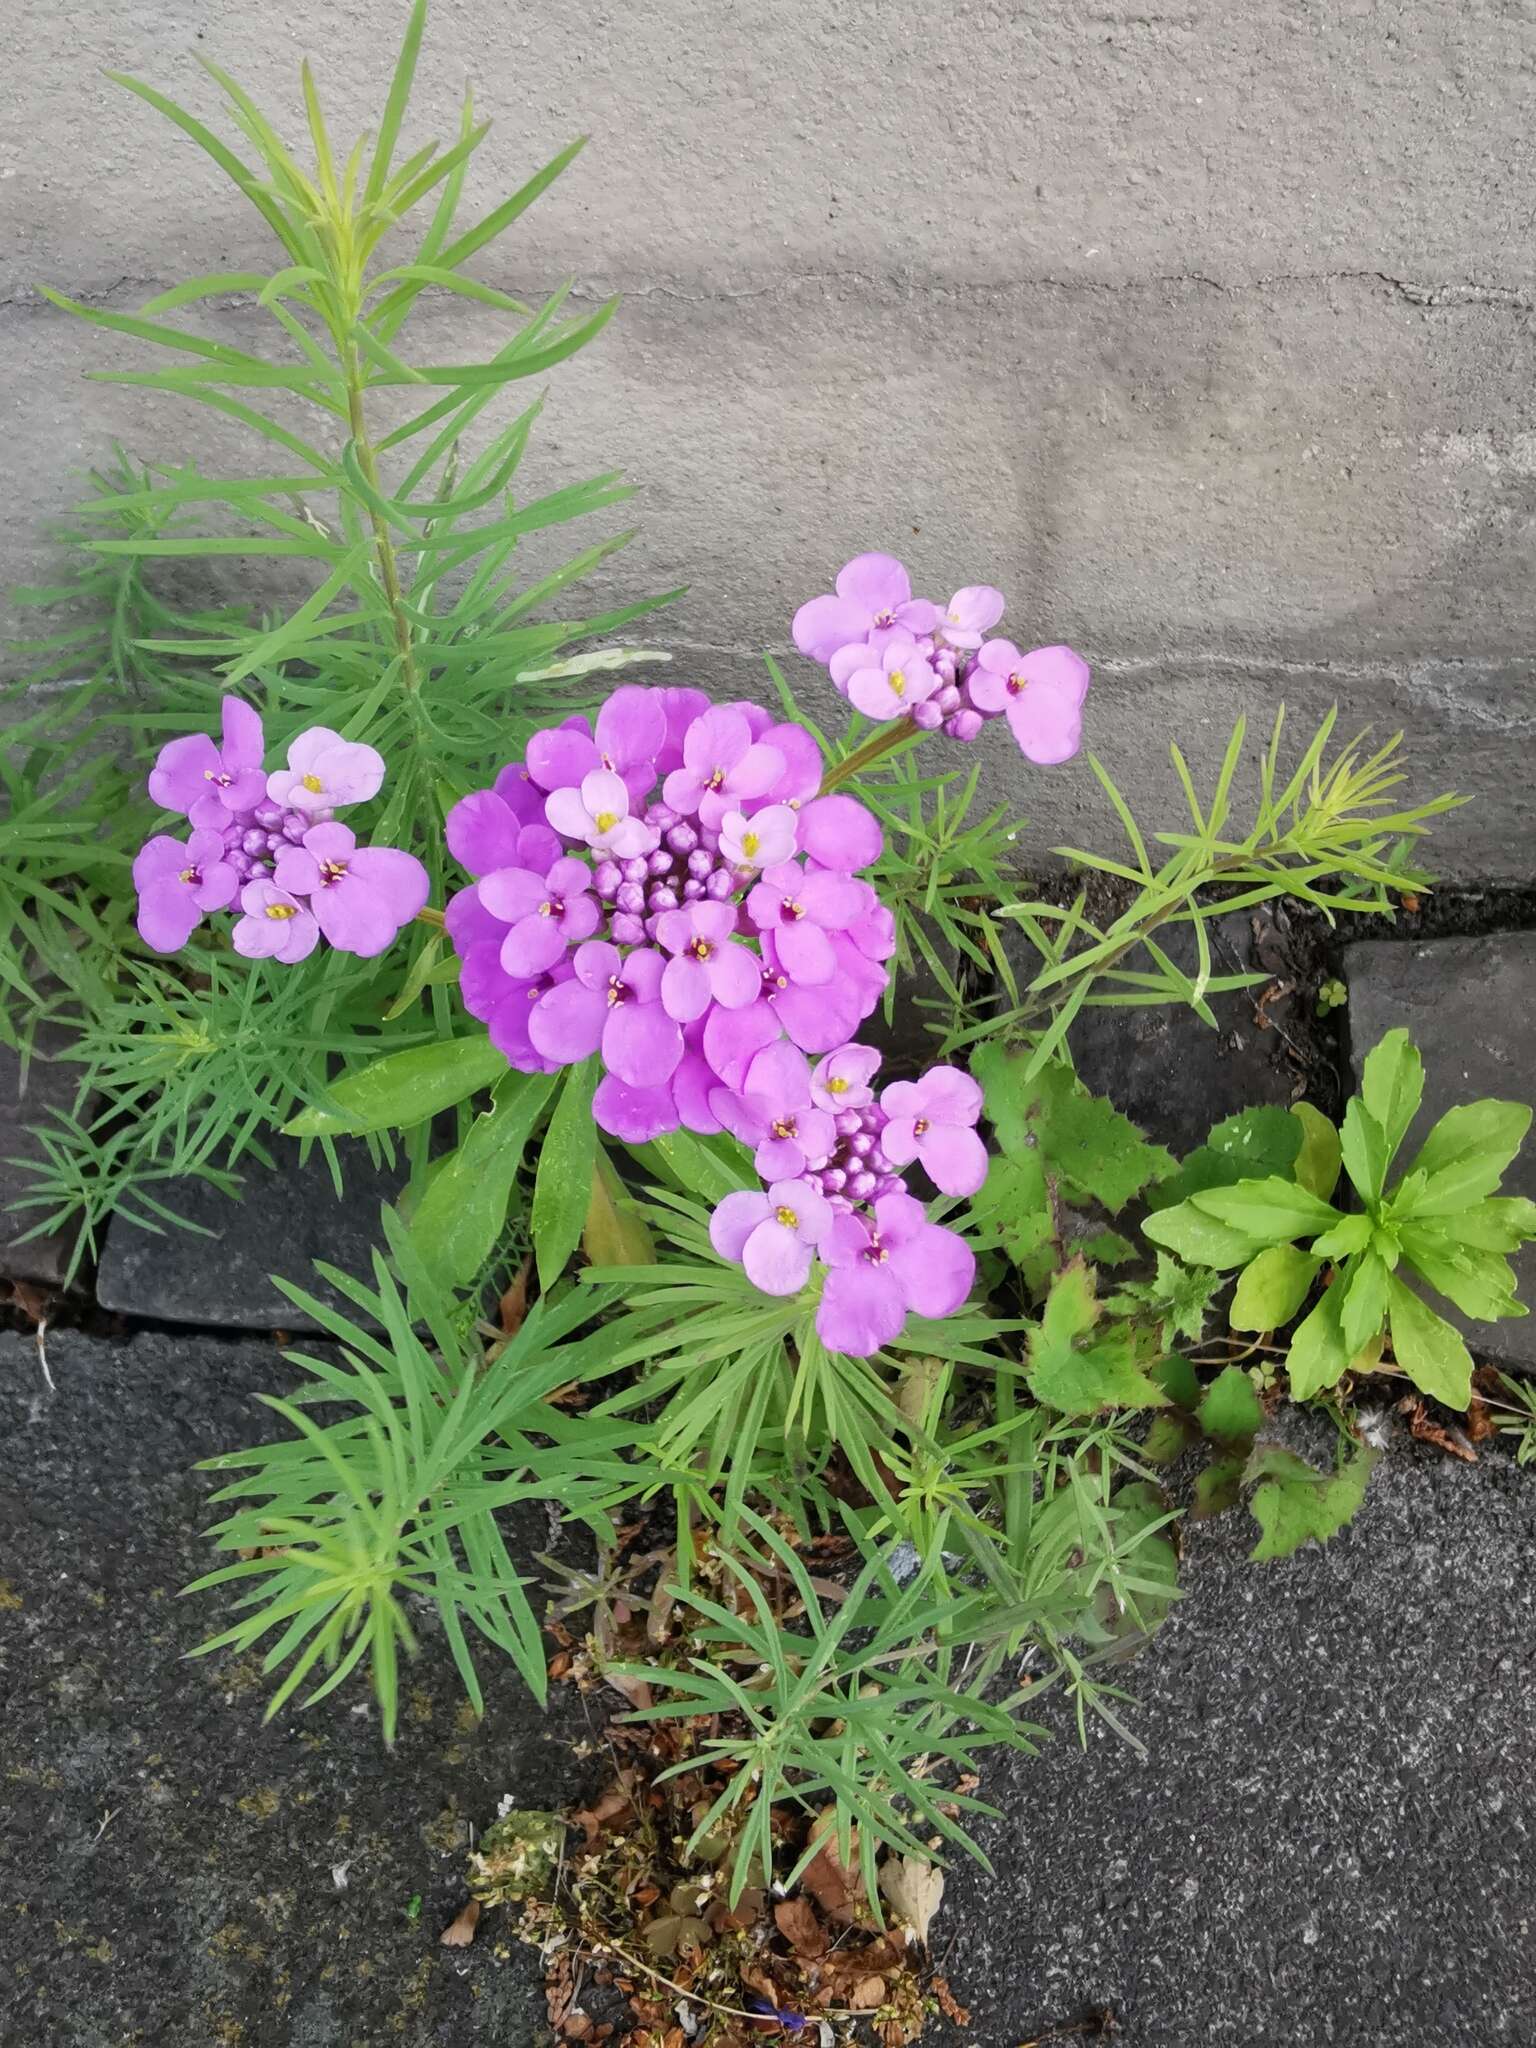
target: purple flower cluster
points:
(893, 655)
(270, 844)
(666, 887)
(832, 1156)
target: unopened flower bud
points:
(625, 929)
(606, 878)
(693, 889)
(630, 897)
(662, 898)
(634, 870)
(701, 864)
(682, 839)
(720, 886)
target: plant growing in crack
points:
(857, 1375)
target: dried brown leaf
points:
(868, 1993)
(513, 1306)
(797, 1922)
(916, 1889)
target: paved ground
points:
(1332, 1839)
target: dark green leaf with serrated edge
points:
(1098, 1153)
(1218, 1488)
(1230, 1410)
(1252, 1145)
(1080, 1378)
(1293, 1503)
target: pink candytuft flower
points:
(1040, 693)
(597, 814)
(761, 841)
(932, 1120)
(179, 882)
(325, 771)
(707, 965)
(775, 1112)
(723, 766)
(774, 1235)
(209, 783)
(885, 1266)
(613, 1005)
(801, 908)
(360, 896)
(970, 615)
(274, 926)
(874, 593)
(892, 680)
(547, 912)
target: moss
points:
(518, 1857)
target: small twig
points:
(106, 1821)
(42, 1354)
(734, 2012)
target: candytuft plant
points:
(864, 1344)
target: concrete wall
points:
(1204, 330)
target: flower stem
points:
(885, 741)
(383, 546)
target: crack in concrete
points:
(1450, 296)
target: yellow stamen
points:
(282, 911)
(187, 875)
(606, 820)
(787, 1217)
(836, 1084)
(312, 783)
(920, 1126)
(750, 842)
(898, 682)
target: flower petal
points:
(776, 1260)
(862, 1307)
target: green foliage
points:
(350, 1519)
(1442, 1220)
(386, 489)
(1294, 1503)
(1332, 833)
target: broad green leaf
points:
(1318, 1356)
(1352, 1235)
(1168, 1438)
(402, 1089)
(1480, 1283)
(1178, 1380)
(1269, 1211)
(1253, 1145)
(1218, 1488)
(1392, 1086)
(1427, 1348)
(1098, 1153)
(1465, 1155)
(1319, 1161)
(562, 1188)
(1230, 1410)
(1077, 1377)
(464, 1209)
(1199, 1239)
(1363, 1144)
(1273, 1287)
(1502, 1224)
(1293, 1503)
(1365, 1302)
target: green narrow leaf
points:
(402, 1089)
(562, 1188)
(395, 105)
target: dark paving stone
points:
(281, 1221)
(25, 1100)
(1470, 1005)
(1332, 1839)
(165, 1860)
(1171, 1073)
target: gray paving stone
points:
(282, 1219)
(169, 1863)
(25, 1100)
(1332, 1836)
(1470, 1005)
